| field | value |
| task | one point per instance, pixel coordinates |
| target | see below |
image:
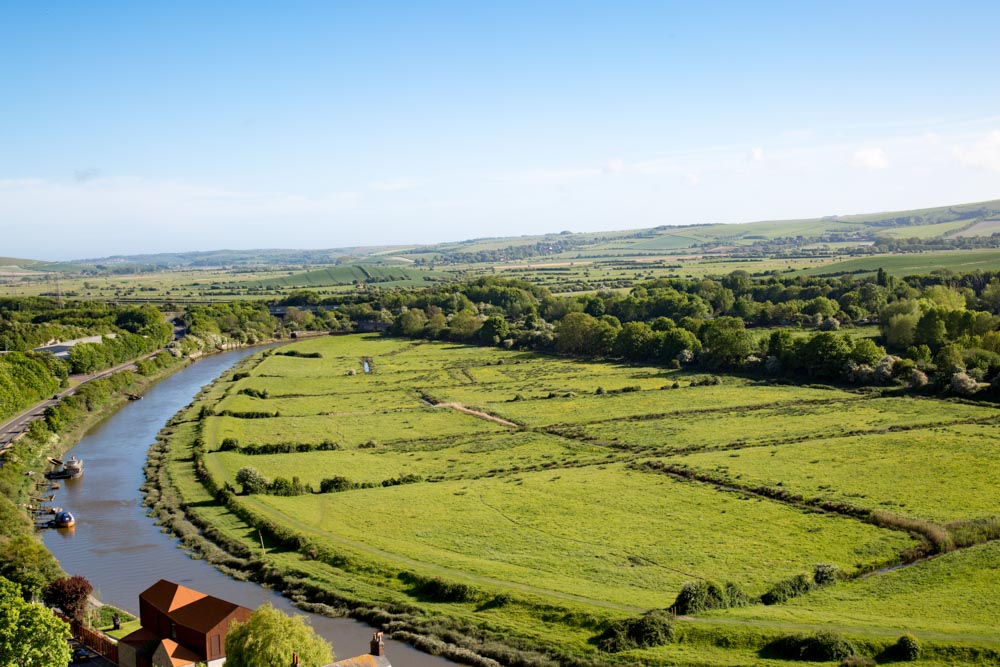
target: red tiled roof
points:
(178, 655)
(203, 614)
(168, 596)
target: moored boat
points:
(71, 469)
(65, 520)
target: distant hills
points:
(963, 221)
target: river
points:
(119, 549)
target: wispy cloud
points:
(870, 158)
(982, 154)
(393, 185)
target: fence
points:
(93, 640)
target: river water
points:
(119, 549)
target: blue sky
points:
(144, 127)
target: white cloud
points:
(694, 180)
(393, 185)
(870, 158)
(983, 154)
(615, 166)
(756, 154)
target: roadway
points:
(15, 427)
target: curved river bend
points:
(122, 552)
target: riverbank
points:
(52, 434)
(183, 505)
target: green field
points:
(558, 513)
(915, 263)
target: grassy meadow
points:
(527, 481)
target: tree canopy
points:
(30, 634)
(269, 637)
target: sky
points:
(137, 127)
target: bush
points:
(439, 590)
(654, 628)
(906, 649)
(283, 487)
(825, 574)
(821, 647)
(229, 444)
(251, 480)
(787, 589)
(699, 596)
(336, 484)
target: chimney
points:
(378, 646)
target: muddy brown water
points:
(122, 552)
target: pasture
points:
(525, 476)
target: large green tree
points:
(30, 635)
(269, 637)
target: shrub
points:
(439, 590)
(654, 628)
(301, 355)
(699, 596)
(283, 487)
(825, 574)
(336, 484)
(907, 648)
(408, 478)
(821, 647)
(229, 444)
(787, 589)
(255, 393)
(251, 480)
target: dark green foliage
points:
(654, 628)
(787, 589)
(337, 484)
(239, 376)
(256, 393)
(698, 596)
(287, 447)
(283, 487)
(906, 649)
(297, 353)
(229, 444)
(408, 478)
(820, 647)
(438, 590)
(825, 574)
(249, 414)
